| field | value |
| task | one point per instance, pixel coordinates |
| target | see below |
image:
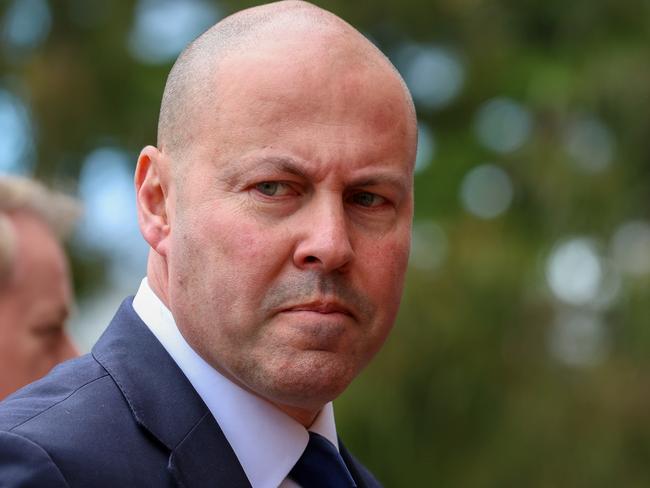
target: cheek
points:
(233, 235)
(249, 258)
(383, 267)
(228, 262)
(387, 262)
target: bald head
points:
(299, 31)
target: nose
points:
(324, 239)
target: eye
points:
(273, 188)
(367, 199)
(48, 330)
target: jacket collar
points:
(164, 402)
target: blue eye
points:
(366, 199)
(268, 188)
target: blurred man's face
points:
(34, 304)
(290, 231)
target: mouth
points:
(325, 307)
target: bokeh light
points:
(435, 75)
(574, 271)
(503, 125)
(162, 28)
(106, 188)
(25, 26)
(16, 135)
(590, 143)
(611, 286)
(110, 220)
(426, 148)
(486, 191)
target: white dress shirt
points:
(266, 441)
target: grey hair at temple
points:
(57, 210)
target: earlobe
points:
(151, 198)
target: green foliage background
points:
(465, 392)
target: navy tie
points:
(321, 466)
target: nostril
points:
(311, 259)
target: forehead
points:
(321, 103)
(322, 77)
(40, 264)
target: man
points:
(35, 295)
(278, 206)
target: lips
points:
(324, 307)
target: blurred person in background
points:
(35, 292)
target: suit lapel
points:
(164, 403)
(360, 474)
(188, 464)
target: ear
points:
(152, 192)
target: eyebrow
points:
(383, 179)
(292, 166)
(285, 164)
(279, 163)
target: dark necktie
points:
(321, 466)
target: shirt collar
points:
(267, 442)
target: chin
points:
(307, 383)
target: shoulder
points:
(60, 391)
(24, 463)
(41, 414)
(74, 426)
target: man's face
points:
(290, 229)
(34, 304)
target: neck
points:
(302, 416)
(157, 277)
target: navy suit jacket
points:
(122, 416)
